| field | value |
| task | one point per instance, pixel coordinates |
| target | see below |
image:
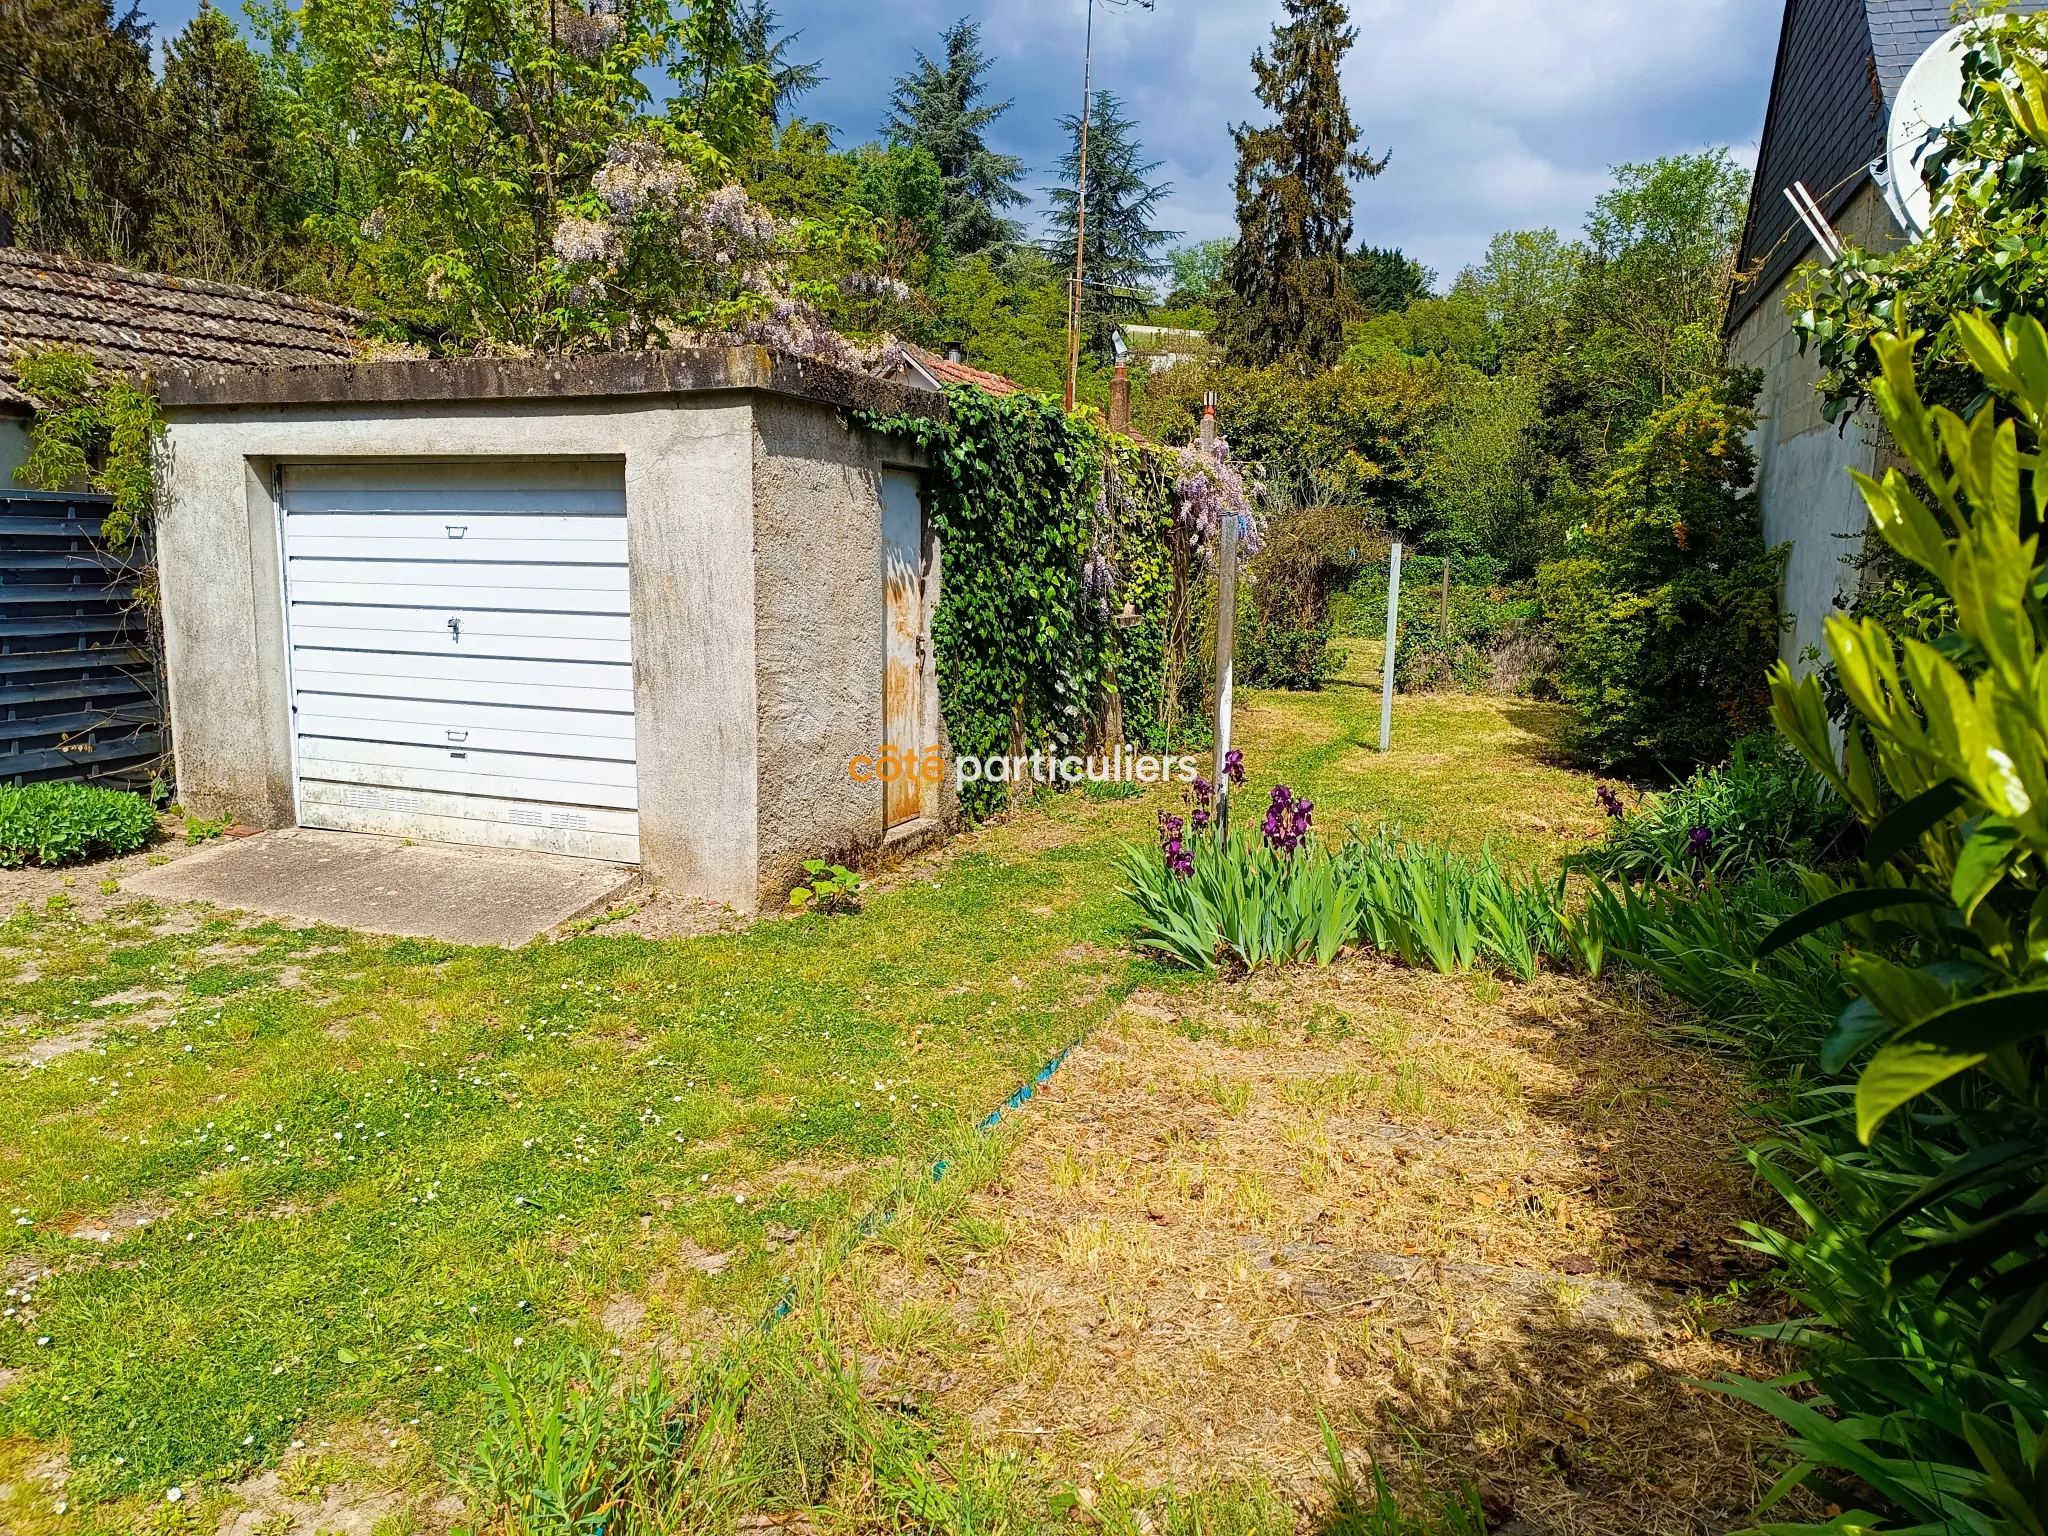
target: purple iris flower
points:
(1288, 820)
(1233, 766)
(1699, 842)
(1610, 802)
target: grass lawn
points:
(297, 1188)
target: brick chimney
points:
(1120, 400)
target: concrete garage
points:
(642, 608)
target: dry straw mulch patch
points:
(1485, 1229)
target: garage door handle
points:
(458, 735)
(457, 530)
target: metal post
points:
(1443, 615)
(1080, 214)
(1226, 626)
(1393, 638)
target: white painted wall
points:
(1803, 487)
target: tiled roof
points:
(947, 372)
(147, 323)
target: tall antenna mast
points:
(1081, 197)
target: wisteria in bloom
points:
(1288, 820)
(1178, 859)
(1201, 799)
(874, 285)
(637, 172)
(588, 32)
(1098, 583)
(794, 329)
(1610, 802)
(1233, 766)
(1208, 489)
(581, 241)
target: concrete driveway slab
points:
(373, 884)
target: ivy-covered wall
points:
(1050, 527)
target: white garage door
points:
(462, 653)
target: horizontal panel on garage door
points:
(585, 831)
(461, 644)
(424, 631)
(484, 679)
(507, 775)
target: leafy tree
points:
(935, 110)
(1294, 196)
(223, 205)
(1355, 438)
(1664, 606)
(494, 175)
(75, 126)
(1384, 281)
(764, 45)
(724, 90)
(1119, 244)
(1199, 274)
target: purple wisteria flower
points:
(1233, 766)
(1288, 820)
(1610, 802)
(1201, 798)
(1178, 859)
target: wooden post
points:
(1393, 640)
(1226, 626)
(1443, 617)
(1120, 400)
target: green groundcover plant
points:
(61, 823)
(1762, 809)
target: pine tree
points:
(933, 109)
(1386, 281)
(1294, 197)
(222, 211)
(74, 127)
(1119, 245)
(764, 43)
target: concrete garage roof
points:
(143, 322)
(576, 376)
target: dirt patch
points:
(50, 1047)
(653, 913)
(82, 884)
(282, 1503)
(1486, 1238)
(124, 1221)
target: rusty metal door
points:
(906, 652)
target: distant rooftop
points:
(143, 322)
(938, 371)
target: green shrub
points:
(1765, 808)
(1485, 612)
(60, 823)
(1273, 654)
(1664, 605)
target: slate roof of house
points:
(147, 323)
(943, 371)
(1840, 65)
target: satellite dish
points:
(1930, 99)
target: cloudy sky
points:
(1500, 114)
